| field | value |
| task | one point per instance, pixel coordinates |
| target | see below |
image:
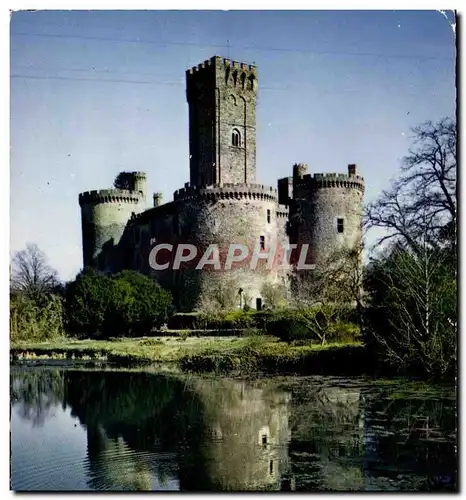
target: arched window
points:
(236, 138)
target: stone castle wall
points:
(222, 204)
(104, 217)
(319, 201)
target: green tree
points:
(36, 312)
(125, 303)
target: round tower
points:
(327, 213)
(139, 182)
(230, 214)
(104, 216)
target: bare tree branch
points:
(31, 273)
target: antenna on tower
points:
(228, 45)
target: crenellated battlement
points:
(219, 72)
(227, 191)
(331, 180)
(283, 213)
(109, 196)
(227, 63)
(139, 175)
(222, 203)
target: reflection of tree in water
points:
(412, 432)
(33, 393)
(113, 465)
(326, 432)
(360, 439)
(128, 417)
(215, 428)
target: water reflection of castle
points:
(148, 431)
(237, 442)
(221, 435)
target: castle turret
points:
(157, 199)
(222, 122)
(299, 171)
(139, 181)
(104, 216)
(327, 211)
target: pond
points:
(128, 430)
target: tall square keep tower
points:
(222, 122)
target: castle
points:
(222, 203)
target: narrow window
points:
(236, 138)
(264, 439)
(340, 225)
(271, 467)
(268, 216)
(262, 242)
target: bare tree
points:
(425, 193)
(322, 294)
(30, 272)
(421, 311)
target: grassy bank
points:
(219, 354)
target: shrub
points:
(315, 325)
(127, 303)
(37, 318)
(288, 326)
(344, 332)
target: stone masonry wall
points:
(319, 201)
(104, 216)
(214, 218)
(222, 101)
(200, 217)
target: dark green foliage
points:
(124, 180)
(288, 326)
(125, 304)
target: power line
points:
(87, 70)
(108, 80)
(179, 84)
(93, 70)
(37, 77)
(229, 46)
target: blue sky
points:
(88, 100)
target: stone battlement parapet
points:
(228, 191)
(283, 213)
(139, 175)
(225, 62)
(330, 180)
(109, 196)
